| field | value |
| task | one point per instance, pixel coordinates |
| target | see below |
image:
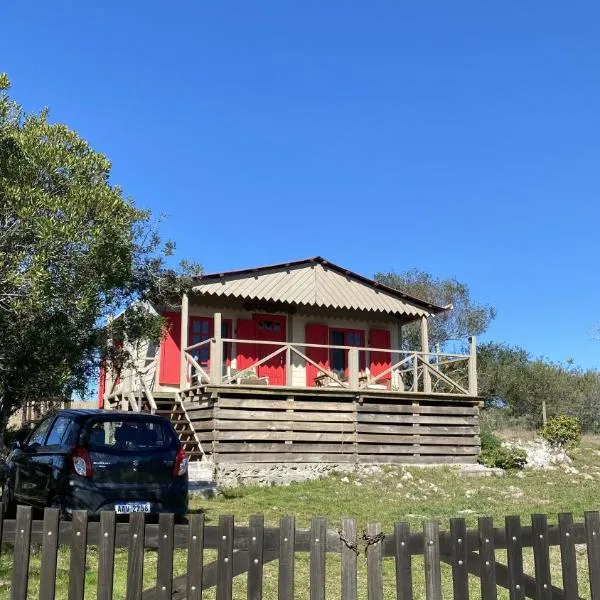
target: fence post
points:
(78, 555)
(225, 558)
(216, 352)
(318, 543)
(255, 557)
(106, 555)
(514, 551)
(541, 557)
(472, 366)
(287, 544)
(431, 554)
(349, 555)
(458, 552)
(374, 554)
(195, 557)
(353, 368)
(20, 571)
(568, 557)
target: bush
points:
(562, 431)
(503, 458)
(489, 441)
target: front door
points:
(271, 328)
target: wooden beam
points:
(472, 366)
(425, 350)
(184, 340)
(216, 352)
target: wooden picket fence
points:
(246, 549)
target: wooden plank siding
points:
(271, 428)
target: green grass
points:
(384, 497)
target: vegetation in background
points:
(516, 385)
(466, 318)
(562, 431)
(73, 250)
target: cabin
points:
(304, 363)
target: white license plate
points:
(132, 507)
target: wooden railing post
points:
(425, 356)
(184, 341)
(289, 376)
(472, 366)
(353, 368)
(216, 353)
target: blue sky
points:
(462, 138)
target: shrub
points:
(562, 431)
(503, 458)
(489, 441)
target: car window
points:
(39, 434)
(59, 431)
(134, 434)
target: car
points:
(99, 460)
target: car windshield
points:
(134, 434)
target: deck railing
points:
(396, 370)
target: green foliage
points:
(508, 459)
(517, 385)
(562, 431)
(466, 318)
(489, 441)
(73, 250)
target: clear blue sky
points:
(462, 138)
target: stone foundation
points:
(229, 475)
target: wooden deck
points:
(258, 424)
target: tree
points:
(466, 318)
(73, 250)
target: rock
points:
(540, 454)
(357, 483)
(399, 485)
(520, 474)
(344, 480)
(406, 476)
(477, 470)
(571, 470)
(466, 511)
(588, 477)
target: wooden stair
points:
(172, 409)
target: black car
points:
(99, 460)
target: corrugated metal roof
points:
(313, 282)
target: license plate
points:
(132, 507)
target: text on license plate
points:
(132, 507)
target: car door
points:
(49, 465)
(26, 475)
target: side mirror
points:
(17, 445)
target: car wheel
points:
(8, 503)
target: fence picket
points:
(592, 531)
(106, 555)
(287, 543)
(567, 556)
(20, 571)
(164, 565)
(49, 554)
(403, 559)
(349, 556)
(195, 557)
(318, 546)
(487, 559)
(255, 557)
(541, 557)
(458, 549)
(225, 558)
(431, 555)
(135, 559)
(79, 525)
(374, 562)
(514, 551)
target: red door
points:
(271, 328)
(170, 350)
(315, 333)
(380, 361)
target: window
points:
(39, 435)
(269, 325)
(59, 430)
(338, 358)
(201, 329)
(132, 434)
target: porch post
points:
(425, 356)
(472, 366)
(183, 383)
(289, 376)
(216, 352)
(353, 368)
